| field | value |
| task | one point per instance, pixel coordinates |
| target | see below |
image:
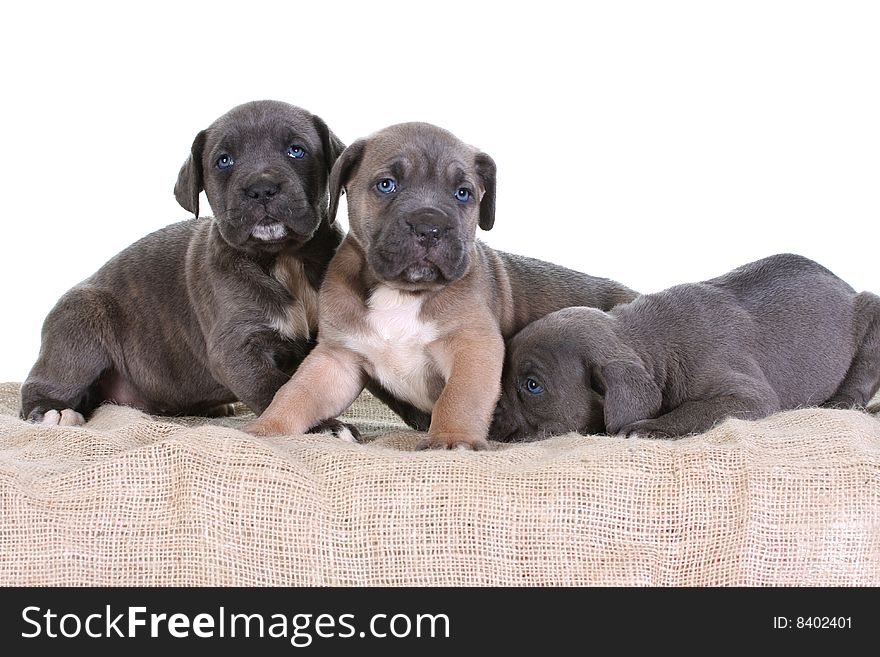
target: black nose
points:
(426, 232)
(263, 189)
(429, 226)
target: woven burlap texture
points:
(131, 499)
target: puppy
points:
(206, 311)
(413, 305)
(775, 334)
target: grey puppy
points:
(779, 333)
(206, 311)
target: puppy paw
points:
(456, 442)
(64, 418)
(645, 429)
(223, 410)
(265, 428)
(342, 430)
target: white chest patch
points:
(299, 319)
(395, 345)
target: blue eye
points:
(224, 161)
(386, 185)
(534, 387)
(295, 152)
(463, 194)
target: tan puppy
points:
(413, 305)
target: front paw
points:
(66, 417)
(265, 428)
(342, 430)
(646, 429)
(223, 410)
(461, 442)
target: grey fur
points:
(186, 320)
(776, 334)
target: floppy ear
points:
(630, 393)
(189, 181)
(342, 172)
(330, 143)
(486, 171)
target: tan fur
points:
(463, 412)
(300, 320)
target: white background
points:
(651, 142)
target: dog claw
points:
(64, 418)
(457, 444)
(342, 430)
(644, 429)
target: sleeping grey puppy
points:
(211, 310)
(779, 333)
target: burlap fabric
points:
(135, 500)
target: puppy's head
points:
(416, 195)
(264, 167)
(570, 372)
